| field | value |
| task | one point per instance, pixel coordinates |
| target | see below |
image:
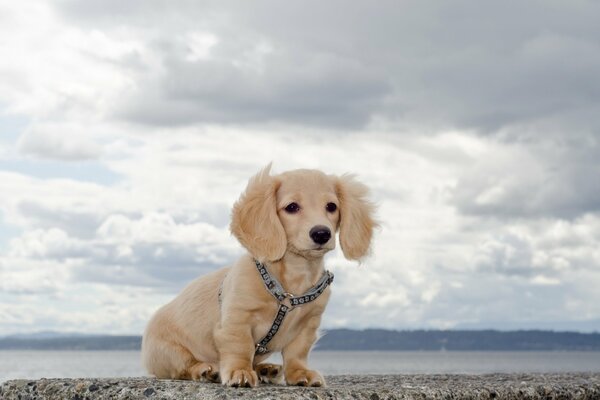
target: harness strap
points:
(275, 288)
(261, 347)
(272, 284)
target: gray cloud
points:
(466, 65)
(316, 90)
(532, 180)
(506, 255)
(79, 223)
(166, 265)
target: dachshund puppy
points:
(287, 223)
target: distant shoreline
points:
(352, 340)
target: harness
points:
(275, 288)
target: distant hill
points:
(48, 335)
(347, 339)
(483, 340)
(80, 342)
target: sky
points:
(129, 128)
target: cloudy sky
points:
(129, 128)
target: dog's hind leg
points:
(195, 369)
(203, 370)
(168, 360)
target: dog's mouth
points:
(323, 249)
(314, 252)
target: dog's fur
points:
(197, 336)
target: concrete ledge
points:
(371, 387)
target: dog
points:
(287, 223)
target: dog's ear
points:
(254, 220)
(356, 217)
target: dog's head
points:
(300, 211)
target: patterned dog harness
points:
(275, 288)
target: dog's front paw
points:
(304, 377)
(239, 378)
(269, 373)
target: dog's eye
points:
(292, 208)
(331, 207)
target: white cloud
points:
(60, 141)
(479, 144)
(41, 244)
(82, 307)
(166, 222)
(77, 73)
(199, 45)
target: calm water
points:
(55, 364)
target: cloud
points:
(475, 127)
(82, 232)
(152, 250)
(166, 222)
(41, 244)
(73, 207)
(84, 307)
(403, 69)
(543, 179)
(51, 140)
(79, 222)
(155, 250)
(322, 90)
(417, 64)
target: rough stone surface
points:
(371, 387)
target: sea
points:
(34, 364)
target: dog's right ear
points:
(254, 219)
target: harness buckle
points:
(261, 349)
(288, 296)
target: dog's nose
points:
(320, 234)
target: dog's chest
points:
(294, 322)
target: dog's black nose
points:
(320, 234)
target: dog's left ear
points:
(254, 220)
(356, 217)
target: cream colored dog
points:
(286, 221)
